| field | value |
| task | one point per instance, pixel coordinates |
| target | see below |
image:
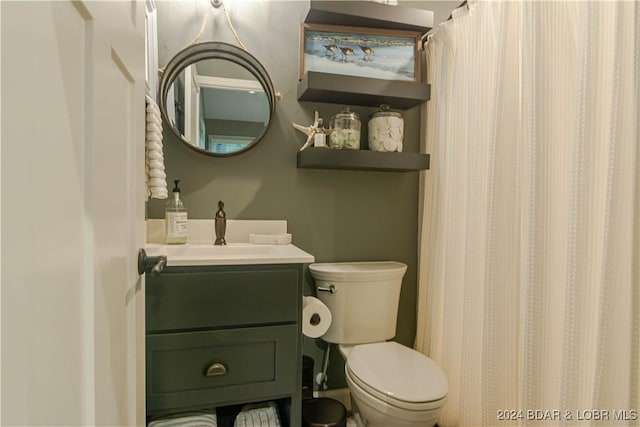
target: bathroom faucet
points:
(220, 224)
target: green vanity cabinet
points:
(224, 335)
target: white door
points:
(72, 211)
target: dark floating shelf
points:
(369, 14)
(326, 158)
(352, 90)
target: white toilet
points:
(391, 385)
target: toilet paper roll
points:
(316, 317)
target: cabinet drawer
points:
(230, 296)
(250, 364)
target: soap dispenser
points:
(175, 219)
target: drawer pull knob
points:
(215, 370)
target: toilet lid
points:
(398, 372)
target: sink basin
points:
(233, 253)
(204, 250)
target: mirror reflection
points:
(217, 106)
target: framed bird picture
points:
(358, 51)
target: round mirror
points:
(217, 98)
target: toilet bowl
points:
(390, 385)
(393, 385)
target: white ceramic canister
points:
(386, 130)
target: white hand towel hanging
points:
(154, 158)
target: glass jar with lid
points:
(386, 130)
(345, 130)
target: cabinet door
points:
(214, 368)
(214, 297)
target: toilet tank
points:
(362, 297)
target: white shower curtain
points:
(529, 293)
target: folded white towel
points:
(156, 188)
(155, 155)
(152, 116)
(153, 107)
(190, 419)
(153, 152)
(159, 190)
(258, 415)
(155, 173)
(154, 159)
(154, 136)
(160, 194)
(156, 182)
(153, 125)
(155, 148)
(155, 164)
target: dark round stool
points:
(323, 412)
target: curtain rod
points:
(428, 33)
(464, 3)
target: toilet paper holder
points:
(327, 288)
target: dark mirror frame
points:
(215, 50)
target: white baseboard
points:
(340, 394)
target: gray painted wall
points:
(334, 215)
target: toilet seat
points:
(397, 375)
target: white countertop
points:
(200, 249)
(231, 254)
